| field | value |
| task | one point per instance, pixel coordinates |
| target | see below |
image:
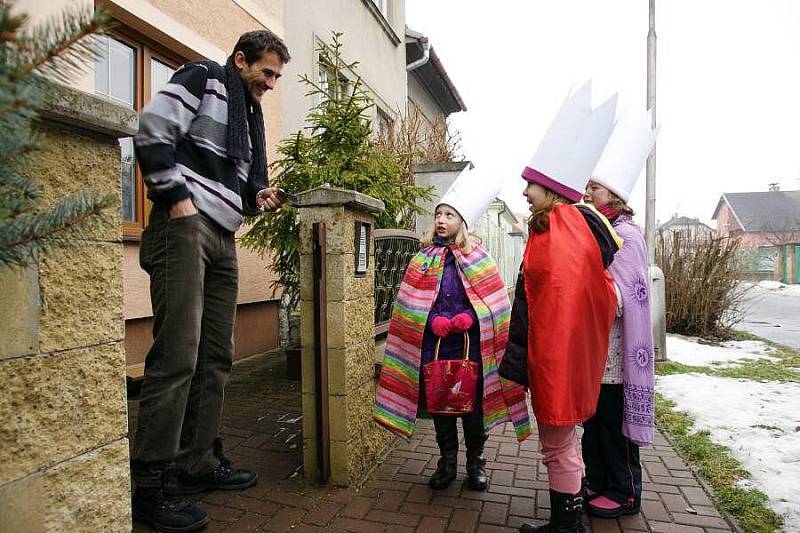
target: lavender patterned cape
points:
(629, 270)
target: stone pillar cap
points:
(326, 195)
(441, 166)
(76, 108)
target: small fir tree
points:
(30, 62)
(337, 147)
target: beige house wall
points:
(381, 61)
(421, 102)
(421, 99)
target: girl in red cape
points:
(564, 306)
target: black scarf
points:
(239, 101)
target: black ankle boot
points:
(476, 470)
(165, 509)
(447, 439)
(565, 515)
(446, 471)
(475, 438)
(223, 477)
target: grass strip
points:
(783, 368)
(719, 468)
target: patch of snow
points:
(772, 287)
(687, 351)
(758, 422)
(791, 290)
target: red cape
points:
(571, 306)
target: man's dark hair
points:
(255, 44)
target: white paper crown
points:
(627, 149)
(470, 195)
(570, 148)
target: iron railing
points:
(394, 248)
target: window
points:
(327, 85)
(128, 70)
(323, 83)
(766, 257)
(160, 74)
(384, 125)
(383, 7)
(115, 71)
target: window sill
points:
(387, 28)
(131, 233)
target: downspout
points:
(426, 54)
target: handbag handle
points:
(466, 347)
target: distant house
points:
(759, 218)
(768, 225)
(689, 229)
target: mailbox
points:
(362, 230)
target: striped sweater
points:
(397, 398)
(181, 147)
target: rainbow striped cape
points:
(397, 396)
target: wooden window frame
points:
(146, 50)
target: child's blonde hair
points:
(539, 220)
(464, 239)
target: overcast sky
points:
(728, 85)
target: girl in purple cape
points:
(624, 417)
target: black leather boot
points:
(476, 471)
(223, 477)
(165, 509)
(445, 473)
(565, 515)
(447, 439)
(475, 438)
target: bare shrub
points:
(442, 142)
(415, 140)
(703, 292)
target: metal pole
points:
(650, 207)
(658, 298)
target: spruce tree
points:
(31, 61)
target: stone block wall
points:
(355, 440)
(63, 413)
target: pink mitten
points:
(441, 326)
(461, 322)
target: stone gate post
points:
(63, 415)
(339, 435)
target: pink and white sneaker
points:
(604, 507)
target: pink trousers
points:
(561, 454)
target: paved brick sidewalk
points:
(262, 431)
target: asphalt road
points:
(773, 315)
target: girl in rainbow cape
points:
(451, 287)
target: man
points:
(201, 147)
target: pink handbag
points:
(450, 384)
